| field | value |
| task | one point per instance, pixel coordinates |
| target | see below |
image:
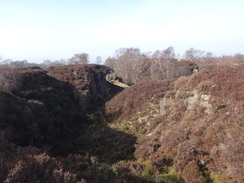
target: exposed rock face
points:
(40, 111)
(44, 112)
(49, 106)
(113, 77)
(90, 85)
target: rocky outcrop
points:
(51, 105)
(41, 111)
(89, 80)
(187, 129)
(45, 112)
(199, 128)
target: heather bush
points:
(186, 141)
(32, 168)
(192, 174)
(29, 164)
(132, 99)
(200, 128)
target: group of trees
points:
(83, 58)
(79, 58)
(208, 59)
(163, 65)
(132, 65)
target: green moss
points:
(171, 176)
(220, 177)
(147, 168)
(122, 163)
(148, 173)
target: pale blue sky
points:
(53, 29)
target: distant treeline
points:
(132, 65)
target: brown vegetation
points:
(45, 109)
(45, 112)
(188, 128)
(90, 85)
(10, 79)
(201, 127)
(131, 100)
(40, 111)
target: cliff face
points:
(195, 125)
(90, 85)
(52, 104)
(40, 111)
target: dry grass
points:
(123, 85)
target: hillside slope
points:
(188, 129)
(195, 129)
(49, 105)
(91, 88)
(58, 112)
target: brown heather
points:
(198, 136)
(132, 99)
(201, 130)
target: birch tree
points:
(79, 58)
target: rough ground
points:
(188, 129)
(200, 127)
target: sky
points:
(37, 30)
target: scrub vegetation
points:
(142, 119)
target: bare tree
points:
(110, 62)
(98, 60)
(130, 64)
(163, 66)
(193, 55)
(155, 72)
(63, 61)
(239, 58)
(226, 60)
(168, 53)
(123, 65)
(202, 58)
(208, 60)
(79, 58)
